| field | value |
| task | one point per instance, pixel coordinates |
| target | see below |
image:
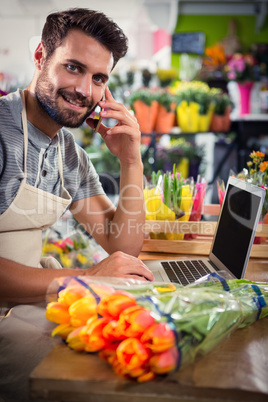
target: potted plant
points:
(166, 111)
(145, 106)
(195, 106)
(221, 120)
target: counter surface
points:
(235, 370)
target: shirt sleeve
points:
(90, 184)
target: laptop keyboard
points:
(185, 272)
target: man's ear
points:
(39, 56)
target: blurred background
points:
(182, 53)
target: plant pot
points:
(188, 117)
(216, 124)
(146, 117)
(164, 120)
(221, 123)
(204, 122)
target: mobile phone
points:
(100, 119)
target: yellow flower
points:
(51, 249)
(66, 261)
(58, 313)
(74, 340)
(82, 259)
(82, 309)
(62, 330)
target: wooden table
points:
(235, 370)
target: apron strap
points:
(60, 166)
(25, 132)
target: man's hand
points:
(123, 140)
(121, 265)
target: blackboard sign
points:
(188, 42)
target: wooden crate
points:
(202, 243)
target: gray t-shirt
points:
(80, 177)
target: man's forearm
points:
(126, 230)
(22, 284)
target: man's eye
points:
(99, 79)
(72, 68)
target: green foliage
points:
(166, 99)
(221, 102)
(145, 95)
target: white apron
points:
(25, 334)
(32, 211)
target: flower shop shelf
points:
(203, 232)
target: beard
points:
(47, 97)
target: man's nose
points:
(84, 86)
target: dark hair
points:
(93, 23)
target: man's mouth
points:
(73, 102)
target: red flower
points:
(134, 320)
(163, 363)
(112, 305)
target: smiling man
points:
(41, 162)
(43, 172)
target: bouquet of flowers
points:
(240, 67)
(146, 330)
(74, 251)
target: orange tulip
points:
(132, 354)
(163, 363)
(158, 338)
(58, 313)
(147, 376)
(81, 310)
(111, 306)
(92, 336)
(119, 368)
(134, 320)
(71, 294)
(108, 353)
(74, 340)
(113, 332)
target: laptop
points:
(232, 242)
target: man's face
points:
(72, 81)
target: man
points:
(43, 172)
(73, 62)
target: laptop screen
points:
(237, 225)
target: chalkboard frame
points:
(188, 42)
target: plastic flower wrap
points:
(168, 197)
(74, 251)
(145, 330)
